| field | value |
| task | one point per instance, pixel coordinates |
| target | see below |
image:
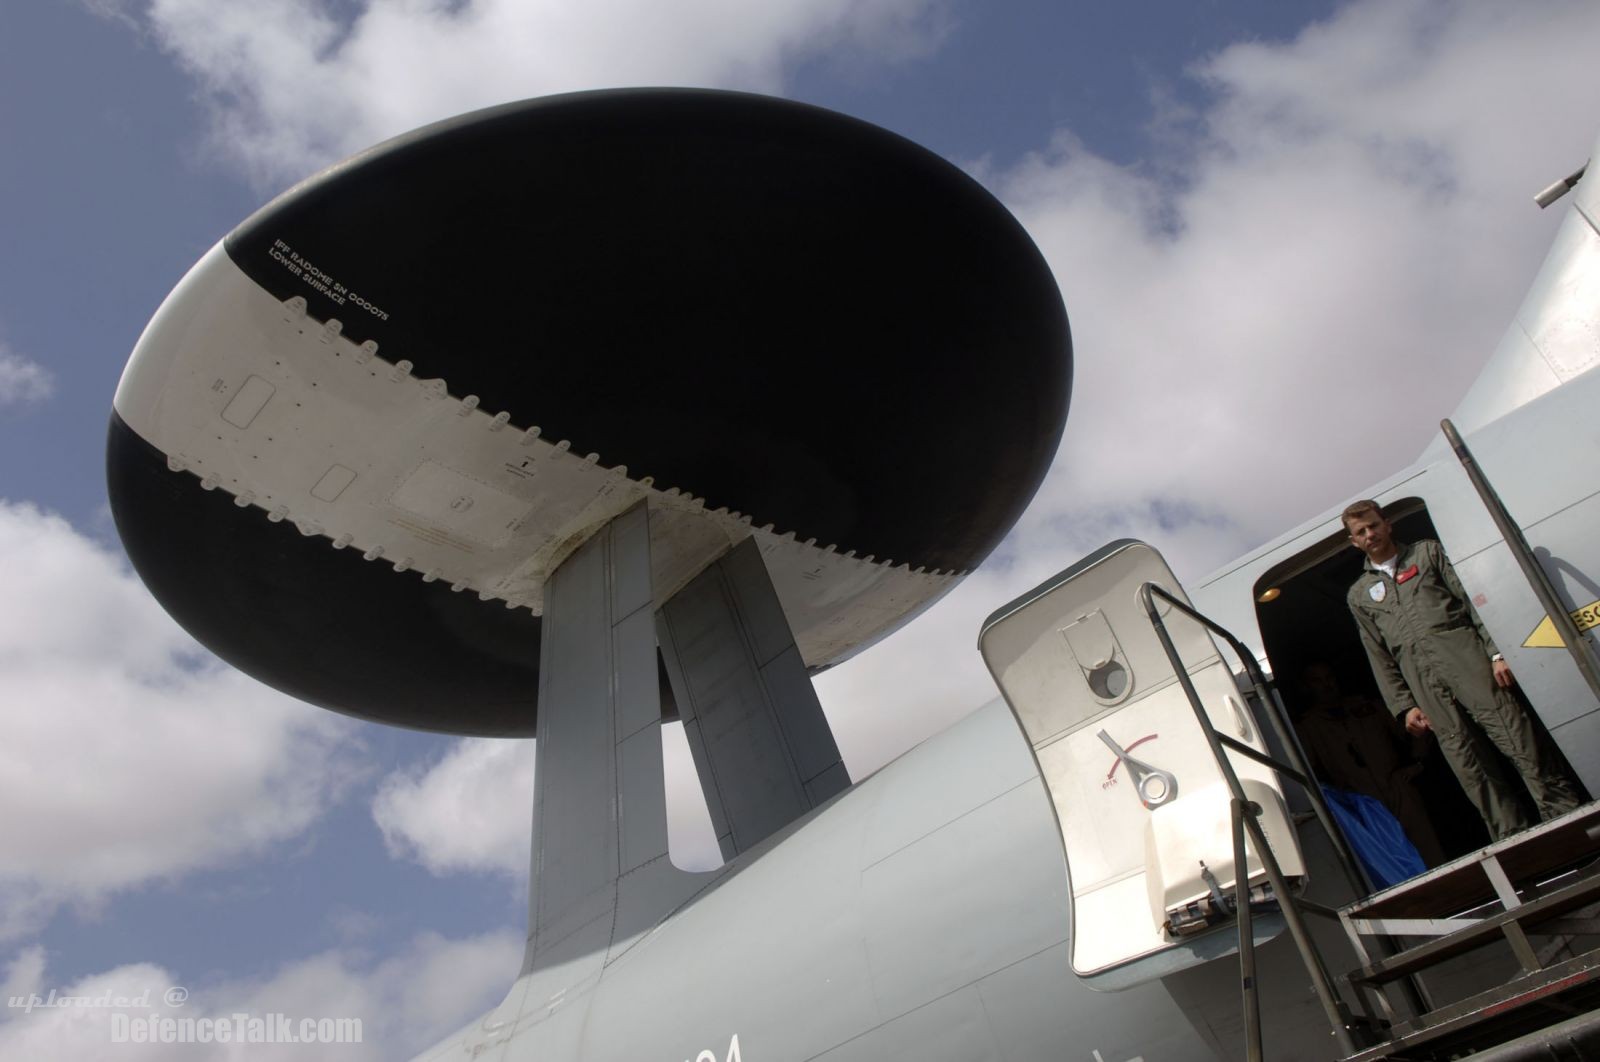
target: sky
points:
(1287, 235)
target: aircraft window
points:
(1109, 681)
(1100, 657)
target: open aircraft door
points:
(1144, 808)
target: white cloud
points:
(293, 87)
(471, 811)
(22, 380)
(25, 975)
(405, 1002)
(31, 1029)
(1275, 313)
(691, 839)
(129, 755)
(1287, 322)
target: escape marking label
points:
(1545, 635)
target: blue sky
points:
(1255, 211)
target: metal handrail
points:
(1245, 813)
(1577, 646)
(1300, 771)
(1262, 758)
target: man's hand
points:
(1502, 674)
(1416, 723)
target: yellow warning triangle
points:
(1545, 636)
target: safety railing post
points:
(1247, 939)
(1333, 1007)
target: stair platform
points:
(1540, 882)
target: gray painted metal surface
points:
(921, 915)
(761, 745)
(601, 873)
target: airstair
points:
(1169, 766)
(1543, 883)
(1533, 886)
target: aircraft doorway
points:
(1312, 644)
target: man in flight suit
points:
(1438, 670)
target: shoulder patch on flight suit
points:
(1377, 591)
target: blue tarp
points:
(1375, 835)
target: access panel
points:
(1144, 810)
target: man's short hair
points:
(1356, 508)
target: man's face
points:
(1371, 534)
(1321, 685)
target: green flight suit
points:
(1429, 650)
